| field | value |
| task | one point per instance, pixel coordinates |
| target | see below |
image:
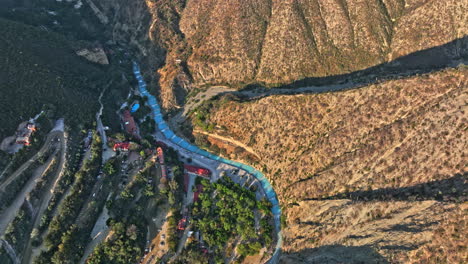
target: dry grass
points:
(393, 135)
(448, 244)
(239, 42)
(401, 232)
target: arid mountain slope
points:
(273, 42)
(396, 134)
(400, 140)
(344, 231)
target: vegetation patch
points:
(18, 230)
(124, 245)
(226, 216)
(40, 68)
(62, 230)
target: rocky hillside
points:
(271, 42)
(344, 231)
(274, 42)
(359, 168)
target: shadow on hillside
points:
(453, 189)
(420, 62)
(410, 228)
(334, 254)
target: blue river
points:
(164, 128)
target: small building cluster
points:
(23, 135)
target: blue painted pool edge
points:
(164, 128)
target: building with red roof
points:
(122, 146)
(129, 123)
(160, 153)
(24, 134)
(199, 171)
(182, 224)
(162, 144)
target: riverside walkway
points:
(169, 134)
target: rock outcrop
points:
(96, 55)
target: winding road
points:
(26, 165)
(9, 214)
(44, 202)
(193, 150)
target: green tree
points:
(249, 249)
(120, 137)
(171, 198)
(173, 185)
(149, 191)
(109, 168)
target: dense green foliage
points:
(249, 249)
(119, 208)
(193, 255)
(173, 237)
(128, 222)
(62, 230)
(225, 211)
(13, 189)
(44, 183)
(4, 257)
(71, 166)
(40, 68)
(201, 115)
(124, 246)
(109, 167)
(18, 230)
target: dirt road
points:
(228, 139)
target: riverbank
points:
(169, 134)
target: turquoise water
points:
(164, 128)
